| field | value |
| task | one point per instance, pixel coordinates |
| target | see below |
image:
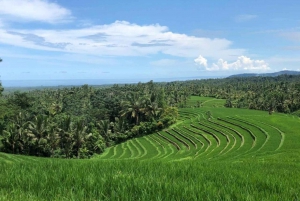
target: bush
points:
(296, 113)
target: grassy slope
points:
(266, 167)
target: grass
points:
(244, 155)
(143, 180)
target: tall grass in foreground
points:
(149, 180)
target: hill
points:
(211, 153)
(285, 72)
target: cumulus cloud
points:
(34, 10)
(242, 63)
(201, 61)
(244, 18)
(121, 38)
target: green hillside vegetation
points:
(195, 146)
(212, 153)
(77, 122)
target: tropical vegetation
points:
(211, 153)
(77, 122)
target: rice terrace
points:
(149, 100)
(211, 153)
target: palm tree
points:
(133, 107)
(119, 126)
(65, 134)
(55, 108)
(80, 136)
(39, 128)
(27, 138)
(17, 135)
(103, 125)
(53, 139)
(152, 110)
(12, 138)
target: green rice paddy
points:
(236, 154)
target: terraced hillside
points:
(210, 132)
(212, 153)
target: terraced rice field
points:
(235, 154)
(228, 134)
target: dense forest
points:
(77, 122)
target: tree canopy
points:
(77, 122)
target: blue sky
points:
(110, 39)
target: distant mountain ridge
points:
(284, 72)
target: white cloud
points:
(244, 18)
(201, 61)
(242, 63)
(121, 38)
(34, 10)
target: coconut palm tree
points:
(119, 126)
(134, 107)
(80, 136)
(28, 138)
(65, 135)
(152, 110)
(12, 138)
(39, 128)
(55, 108)
(103, 126)
(53, 139)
